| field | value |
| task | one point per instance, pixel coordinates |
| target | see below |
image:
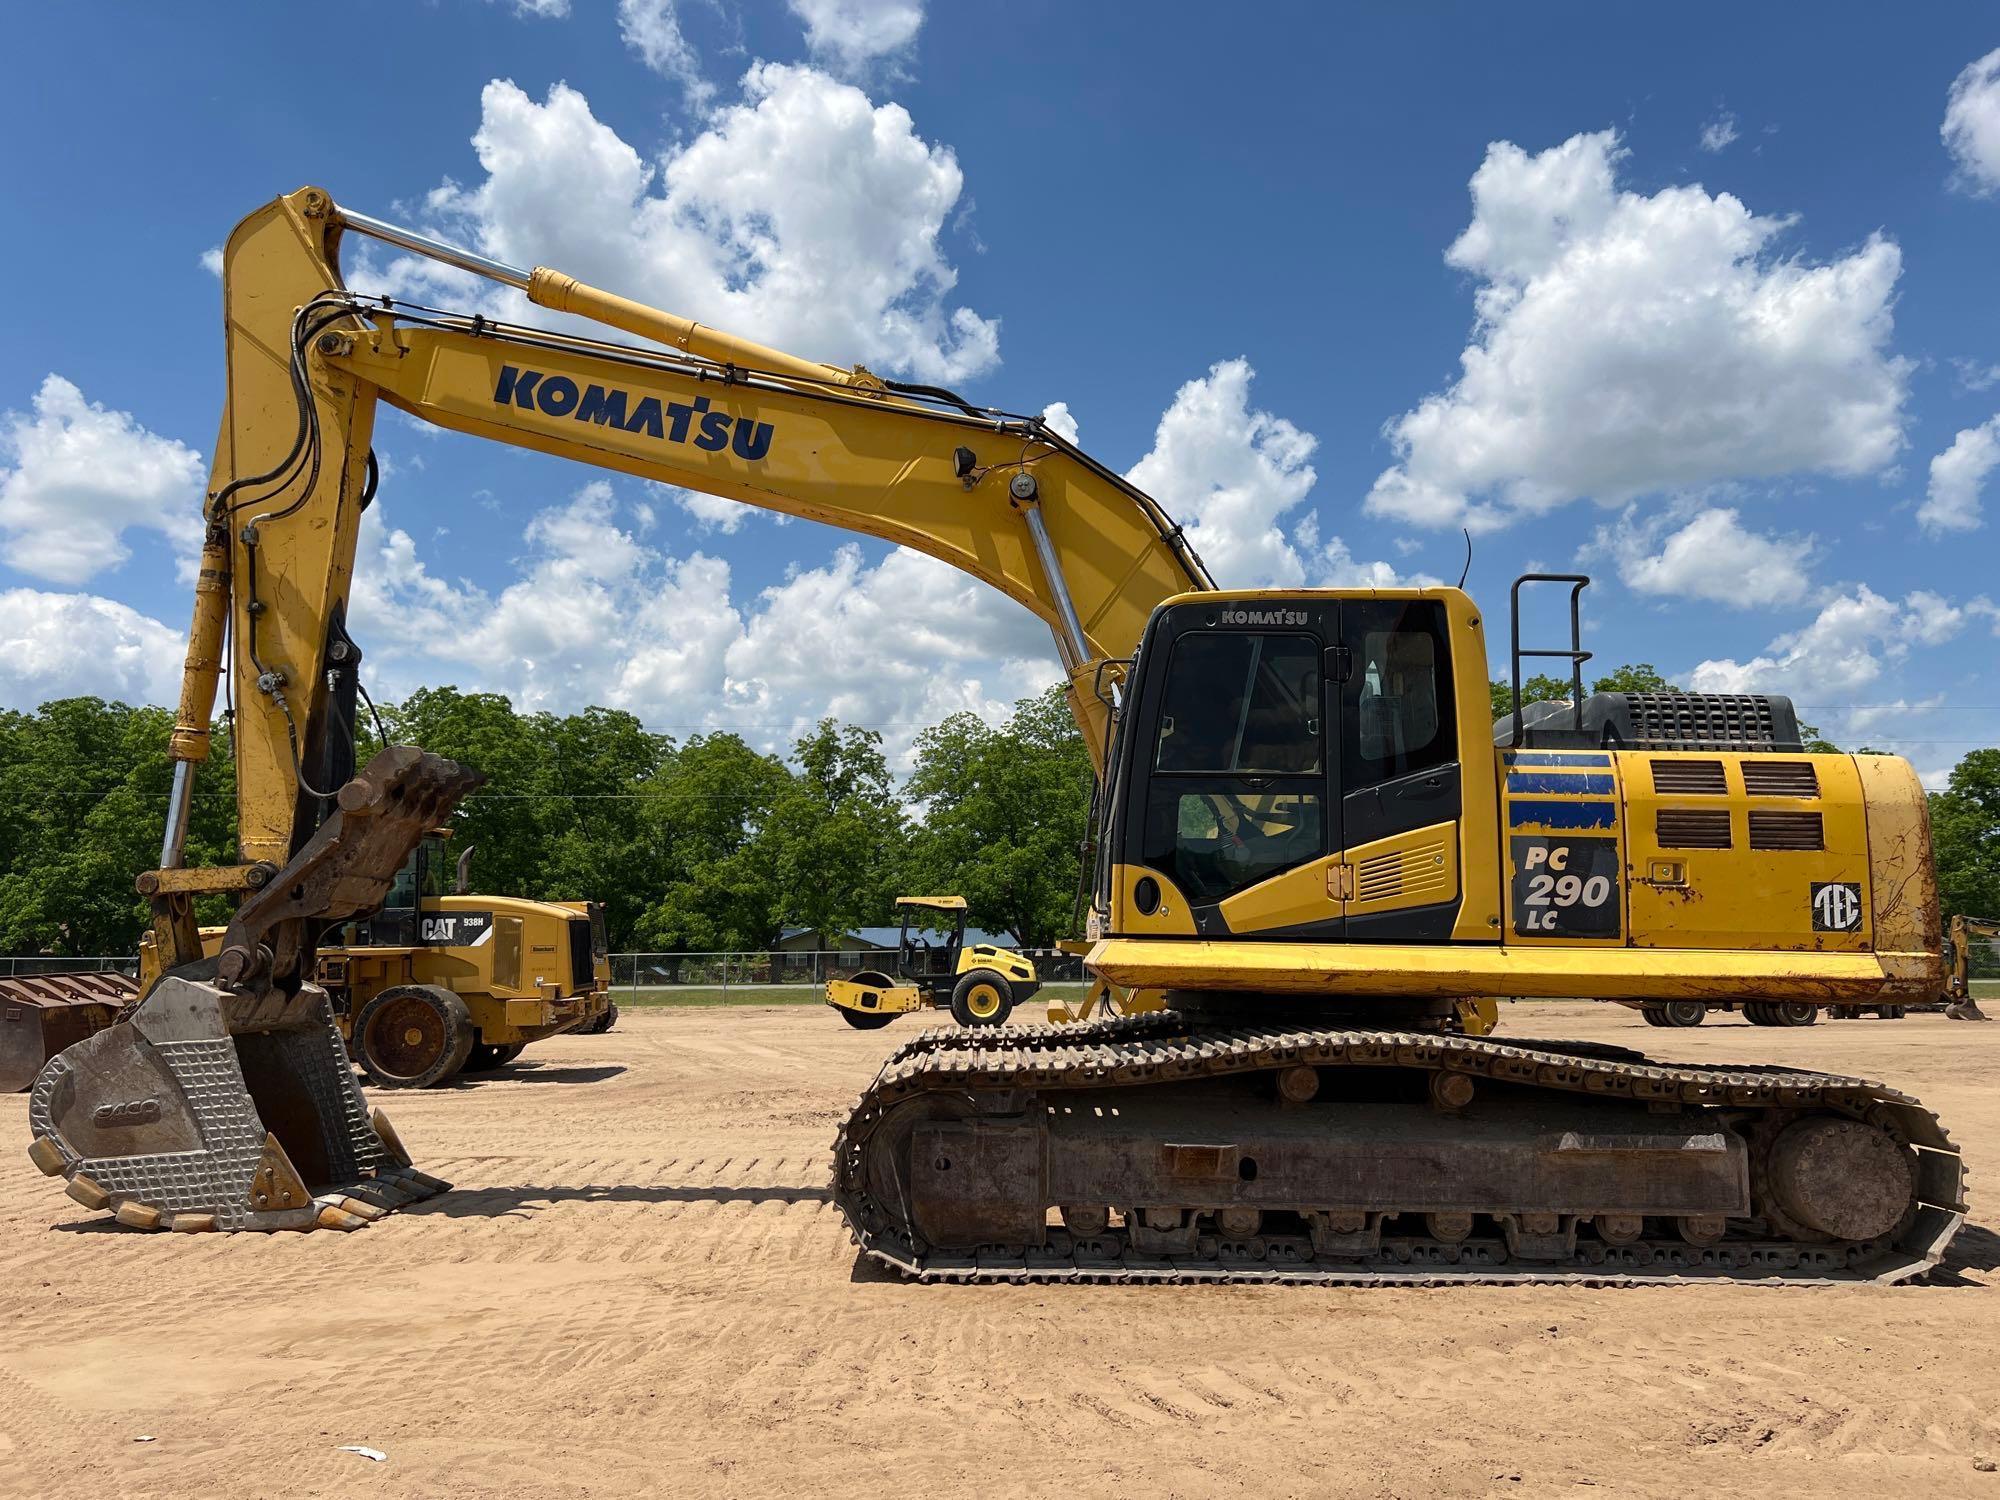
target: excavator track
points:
(949, 1164)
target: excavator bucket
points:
(225, 1099)
(42, 1014)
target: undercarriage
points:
(1149, 1148)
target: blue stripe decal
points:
(1559, 783)
(1562, 814)
(1556, 758)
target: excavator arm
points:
(229, 1071)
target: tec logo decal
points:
(1836, 906)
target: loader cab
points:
(1291, 766)
(923, 958)
(423, 875)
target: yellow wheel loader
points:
(980, 984)
(437, 981)
(1310, 839)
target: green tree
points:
(84, 784)
(1005, 813)
(834, 838)
(1634, 677)
(1965, 833)
(711, 884)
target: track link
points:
(1039, 1062)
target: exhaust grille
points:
(1709, 721)
(1689, 778)
(1786, 830)
(1692, 827)
(1419, 873)
(1780, 778)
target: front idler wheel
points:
(413, 1036)
(982, 998)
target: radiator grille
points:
(1414, 874)
(1692, 828)
(581, 974)
(1780, 778)
(1786, 830)
(1689, 778)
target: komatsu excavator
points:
(1308, 834)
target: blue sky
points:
(1726, 284)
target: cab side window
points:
(1399, 708)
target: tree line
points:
(700, 843)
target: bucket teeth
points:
(87, 1192)
(391, 1142)
(48, 1157)
(339, 1218)
(192, 1223)
(138, 1216)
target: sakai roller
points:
(1309, 838)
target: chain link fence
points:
(775, 968)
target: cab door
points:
(1401, 791)
(1239, 807)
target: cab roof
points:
(933, 903)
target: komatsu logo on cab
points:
(606, 406)
(1263, 617)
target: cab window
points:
(1399, 709)
(1237, 790)
(1242, 705)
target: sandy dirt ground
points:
(640, 1287)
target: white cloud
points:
(66, 645)
(1971, 128)
(211, 261)
(652, 28)
(1227, 473)
(1231, 475)
(596, 616)
(803, 217)
(1628, 344)
(541, 10)
(851, 34)
(1057, 418)
(713, 512)
(1705, 553)
(1975, 375)
(1958, 474)
(1831, 662)
(1719, 133)
(81, 475)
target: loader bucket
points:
(44, 1013)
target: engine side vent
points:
(1786, 830)
(1692, 828)
(1780, 778)
(1690, 778)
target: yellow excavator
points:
(1310, 838)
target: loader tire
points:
(982, 998)
(484, 1059)
(413, 1036)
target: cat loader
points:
(980, 984)
(1311, 839)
